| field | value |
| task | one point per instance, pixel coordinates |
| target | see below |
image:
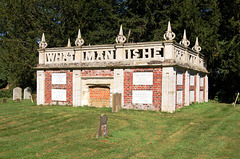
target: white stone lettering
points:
(179, 79)
(142, 96)
(59, 78)
(179, 97)
(191, 80)
(191, 96)
(59, 94)
(143, 78)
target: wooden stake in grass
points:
(236, 100)
(4, 100)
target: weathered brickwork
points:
(156, 88)
(180, 88)
(93, 73)
(99, 96)
(49, 86)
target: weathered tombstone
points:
(27, 93)
(18, 100)
(17, 93)
(116, 102)
(4, 100)
(34, 98)
(102, 126)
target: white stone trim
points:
(187, 95)
(168, 89)
(77, 91)
(40, 87)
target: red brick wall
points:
(156, 88)
(99, 96)
(180, 88)
(49, 86)
(94, 73)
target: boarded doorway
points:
(99, 96)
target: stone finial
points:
(196, 47)
(185, 42)
(120, 38)
(43, 43)
(79, 41)
(169, 35)
(69, 43)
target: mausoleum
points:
(160, 75)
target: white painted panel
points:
(191, 96)
(142, 78)
(191, 80)
(179, 97)
(59, 94)
(142, 96)
(59, 78)
(201, 81)
(201, 96)
(179, 79)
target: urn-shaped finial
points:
(185, 42)
(79, 41)
(43, 43)
(120, 38)
(196, 47)
(169, 35)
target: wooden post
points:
(236, 100)
(102, 126)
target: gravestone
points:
(102, 126)
(27, 93)
(34, 98)
(116, 102)
(17, 93)
(4, 100)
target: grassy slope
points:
(209, 130)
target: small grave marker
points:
(17, 93)
(27, 93)
(116, 102)
(102, 126)
(4, 100)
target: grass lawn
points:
(208, 130)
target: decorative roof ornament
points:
(69, 43)
(43, 44)
(185, 42)
(121, 38)
(169, 35)
(196, 47)
(79, 41)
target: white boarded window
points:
(191, 96)
(59, 78)
(179, 97)
(191, 80)
(201, 82)
(59, 94)
(201, 96)
(179, 79)
(142, 96)
(142, 78)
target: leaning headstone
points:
(17, 93)
(102, 126)
(4, 100)
(116, 102)
(18, 100)
(34, 98)
(27, 93)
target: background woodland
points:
(215, 22)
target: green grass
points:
(208, 130)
